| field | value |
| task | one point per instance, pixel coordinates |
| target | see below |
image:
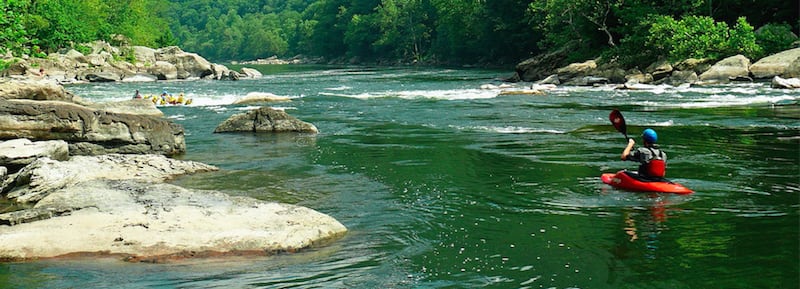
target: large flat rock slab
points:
(120, 205)
(157, 222)
(21, 152)
(90, 131)
(46, 175)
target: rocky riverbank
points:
(545, 69)
(106, 63)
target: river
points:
(443, 184)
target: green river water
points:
(443, 184)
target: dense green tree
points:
(46, 25)
(438, 31)
(458, 31)
(405, 29)
(327, 33)
(587, 22)
(511, 36)
(13, 31)
(702, 37)
(775, 37)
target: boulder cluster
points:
(106, 63)
(783, 68)
(82, 178)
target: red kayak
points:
(632, 182)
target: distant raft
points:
(168, 99)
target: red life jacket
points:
(656, 167)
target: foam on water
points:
(456, 94)
(339, 88)
(727, 100)
(509, 129)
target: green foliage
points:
(130, 56)
(742, 40)
(5, 64)
(443, 31)
(36, 27)
(13, 33)
(643, 30)
(166, 39)
(406, 30)
(774, 38)
(701, 37)
(83, 49)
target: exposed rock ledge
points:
(110, 206)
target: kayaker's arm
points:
(627, 150)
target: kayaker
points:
(652, 160)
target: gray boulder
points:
(114, 205)
(659, 69)
(125, 69)
(734, 67)
(189, 65)
(36, 90)
(250, 73)
(76, 56)
(680, 77)
(639, 77)
(163, 70)
(578, 69)
(103, 76)
(264, 119)
(552, 79)
(779, 64)
(232, 75)
(18, 153)
(90, 131)
(219, 71)
(145, 222)
(45, 175)
(693, 64)
(793, 70)
(99, 59)
(101, 47)
(541, 66)
(791, 83)
(256, 97)
(144, 54)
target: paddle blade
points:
(618, 122)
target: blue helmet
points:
(649, 135)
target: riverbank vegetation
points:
(410, 31)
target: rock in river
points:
(89, 131)
(264, 119)
(114, 205)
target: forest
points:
(436, 32)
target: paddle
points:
(619, 122)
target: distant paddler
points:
(163, 99)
